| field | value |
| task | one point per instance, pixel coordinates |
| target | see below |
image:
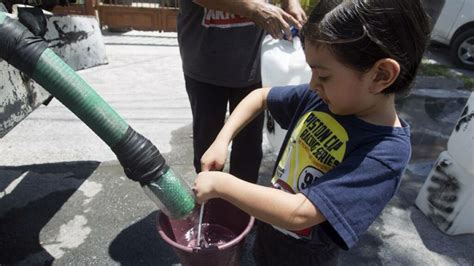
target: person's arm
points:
(289, 211)
(271, 18)
(293, 7)
(273, 206)
(249, 108)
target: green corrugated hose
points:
(160, 183)
(62, 82)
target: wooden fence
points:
(159, 15)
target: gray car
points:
(455, 28)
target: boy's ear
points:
(386, 71)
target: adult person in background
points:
(219, 42)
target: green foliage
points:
(468, 82)
(428, 69)
(306, 4)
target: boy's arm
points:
(286, 210)
(251, 106)
(273, 206)
(271, 18)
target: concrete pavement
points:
(65, 200)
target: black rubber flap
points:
(19, 47)
(140, 159)
(34, 19)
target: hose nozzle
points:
(142, 162)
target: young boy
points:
(346, 148)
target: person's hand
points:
(274, 20)
(205, 185)
(215, 156)
(293, 7)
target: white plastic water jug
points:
(283, 63)
(461, 141)
(447, 196)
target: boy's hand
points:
(206, 185)
(214, 158)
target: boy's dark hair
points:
(360, 32)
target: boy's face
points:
(345, 90)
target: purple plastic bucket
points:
(218, 212)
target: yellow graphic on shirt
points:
(317, 144)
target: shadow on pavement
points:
(140, 244)
(31, 196)
(458, 247)
(432, 115)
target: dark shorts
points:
(272, 247)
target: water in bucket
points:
(224, 228)
(206, 235)
(212, 235)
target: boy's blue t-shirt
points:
(348, 168)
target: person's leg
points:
(208, 106)
(246, 154)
